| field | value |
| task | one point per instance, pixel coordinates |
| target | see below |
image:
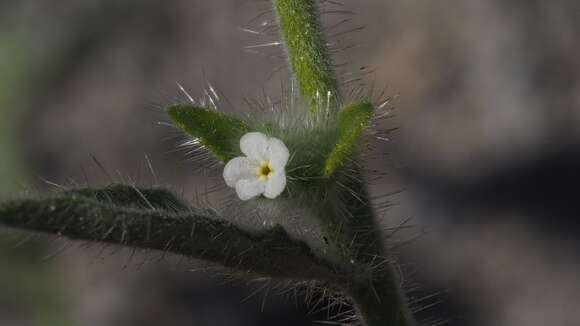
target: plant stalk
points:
(350, 225)
(380, 302)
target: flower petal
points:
(275, 185)
(237, 169)
(277, 153)
(248, 189)
(254, 145)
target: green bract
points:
(352, 121)
(219, 132)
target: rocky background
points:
(487, 150)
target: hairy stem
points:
(380, 301)
(307, 52)
(373, 284)
(350, 224)
(376, 293)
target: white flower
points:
(262, 170)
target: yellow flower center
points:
(264, 171)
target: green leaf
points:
(159, 220)
(217, 131)
(308, 54)
(352, 122)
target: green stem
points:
(373, 283)
(307, 52)
(377, 295)
(380, 301)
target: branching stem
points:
(377, 294)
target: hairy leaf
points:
(307, 51)
(217, 131)
(157, 219)
(352, 121)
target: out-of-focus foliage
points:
(33, 291)
(13, 69)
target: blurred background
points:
(488, 149)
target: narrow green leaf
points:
(352, 122)
(149, 219)
(217, 131)
(309, 57)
